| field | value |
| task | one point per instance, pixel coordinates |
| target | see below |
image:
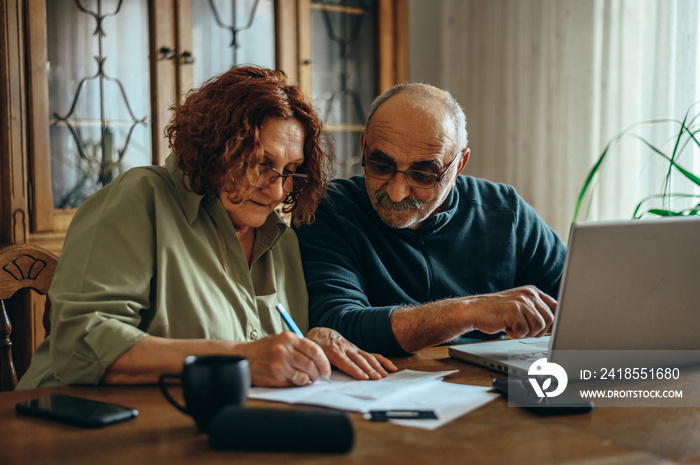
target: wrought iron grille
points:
(231, 32)
(88, 159)
(344, 73)
(232, 27)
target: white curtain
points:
(212, 36)
(546, 84)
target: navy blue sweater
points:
(358, 269)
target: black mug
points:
(210, 383)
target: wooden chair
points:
(22, 266)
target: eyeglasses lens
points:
(264, 175)
(386, 172)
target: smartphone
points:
(519, 392)
(76, 410)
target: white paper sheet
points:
(406, 389)
(448, 400)
(401, 380)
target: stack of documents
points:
(403, 390)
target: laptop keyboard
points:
(529, 357)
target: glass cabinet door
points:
(99, 78)
(344, 73)
(99, 94)
(231, 32)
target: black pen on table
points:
(293, 326)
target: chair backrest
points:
(22, 266)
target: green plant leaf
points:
(687, 136)
(638, 210)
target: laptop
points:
(626, 286)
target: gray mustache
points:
(382, 200)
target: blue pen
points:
(293, 326)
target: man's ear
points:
(464, 160)
(362, 140)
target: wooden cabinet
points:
(86, 86)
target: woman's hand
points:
(281, 360)
(284, 360)
(347, 357)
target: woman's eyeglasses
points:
(264, 175)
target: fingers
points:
(294, 376)
(316, 362)
(387, 364)
(545, 305)
(521, 312)
(285, 360)
(533, 313)
(376, 362)
(536, 324)
(363, 365)
(306, 362)
(300, 378)
(359, 365)
(347, 357)
(549, 301)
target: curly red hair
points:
(215, 134)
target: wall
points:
(522, 70)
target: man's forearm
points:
(521, 312)
(427, 325)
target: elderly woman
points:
(192, 257)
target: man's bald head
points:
(424, 98)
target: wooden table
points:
(494, 433)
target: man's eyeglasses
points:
(264, 175)
(414, 178)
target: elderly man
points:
(411, 254)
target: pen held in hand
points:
(293, 326)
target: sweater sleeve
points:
(333, 253)
(540, 252)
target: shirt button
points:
(254, 334)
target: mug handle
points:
(161, 384)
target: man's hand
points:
(521, 312)
(284, 360)
(347, 357)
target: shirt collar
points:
(447, 211)
(189, 200)
(272, 230)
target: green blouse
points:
(146, 256)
